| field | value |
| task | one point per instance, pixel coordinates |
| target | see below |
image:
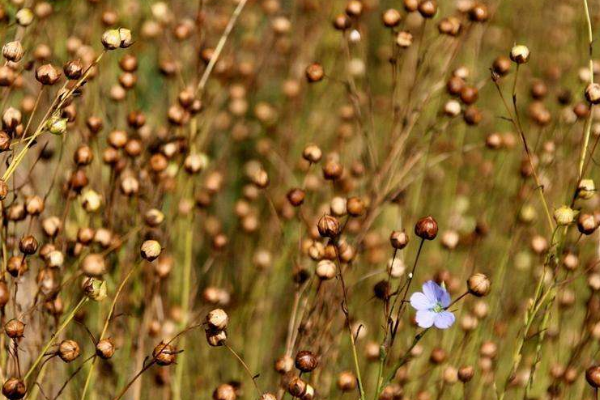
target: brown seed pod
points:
(28, 245)
(466, 373)
(14, 329)
(479, 285)
(391, 18)
(73, 70)
(342, 22)
(296, 197)
(314, 73)
(328, 226)
(47, 74)
(217, 320)
(306, 361)
(501, 65)
(312, 153)
(224, 391)
(105, 349)
(592, 376)
(150, 250)
(355, 206)
(164, 354)
(14, 389)
(297, 387)
(68, 350)
(347, 381)
(587, 224)
(426, 228)
(399, 239)
(428, 8)
(4, 294)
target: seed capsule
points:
(164, 354)
(13, 51)
(328, 226)
(14, 389)
(14, 329)
(592, 376)
(150, 250)
(592, 93)
(391, 18)
(47, 74)
(426, 228)
(399, 239)
(306, 361)
(68, 350)
(586, 224)
(479, 285)
(314, 73)
(105, 349)
(519, 54)
(466, 373)
(217, 320)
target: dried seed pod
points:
(14, 389)
(47, 74)
(466, 373)
(328, 226)
(399, 239)
(296, 197)
(587, 224)
(592, 376)
(347, 381)
(427, 8)
(216, 338)
(13, 51)
(105, 349)
(224, 391)
(479, 285)
(73, 70)
(28, 245)
(326, 269)
(217, 320)
(164, 354)
(14, 329)
(297, 387)
(314, 73)
(306, 361)
(426, 228)
(391, 18)
(519, 54)
(150, 250)
(68, 350)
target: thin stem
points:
(54, 336)
(220, 45)
(588, 122)
(245, 367)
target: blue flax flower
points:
(431, 306)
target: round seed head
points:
(426, 228)
(519, 54)
(105, 349)
(68, 350)
(479, 285)
(217, 319)
(150, 250)
(306, 361)
(14, 389)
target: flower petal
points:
(420, 302)
(445, 299)
(430, 289)
(444, 320)
(425, 318)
